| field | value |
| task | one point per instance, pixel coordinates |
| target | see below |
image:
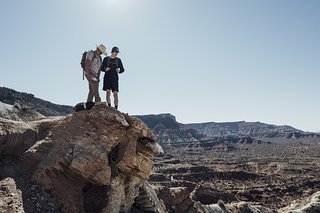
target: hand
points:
(90, 77)
(108, 68)
(94, 79)
(118, 70)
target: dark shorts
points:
(111, 83)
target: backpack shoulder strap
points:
(90, 52)
(93, 54)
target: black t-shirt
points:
(112, 63)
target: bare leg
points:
(108, 97)
(116, 99)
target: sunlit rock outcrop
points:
(91, 161)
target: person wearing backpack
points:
(92, 65)
(112, 66)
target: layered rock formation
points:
(10, 196)
(168, 130)
(90, 161)
(253, 129)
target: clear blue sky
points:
(201, 61)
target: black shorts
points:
(111, 83)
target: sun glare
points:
(118, 4)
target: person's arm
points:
(121, 66)
(104, 66)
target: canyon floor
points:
(270, 174)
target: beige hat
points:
(102, 48)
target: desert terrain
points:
(271, 173)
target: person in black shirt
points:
(112, 66)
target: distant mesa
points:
(160, 121)
(220, 136)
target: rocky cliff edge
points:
(90, 161)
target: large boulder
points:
(91, 161)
